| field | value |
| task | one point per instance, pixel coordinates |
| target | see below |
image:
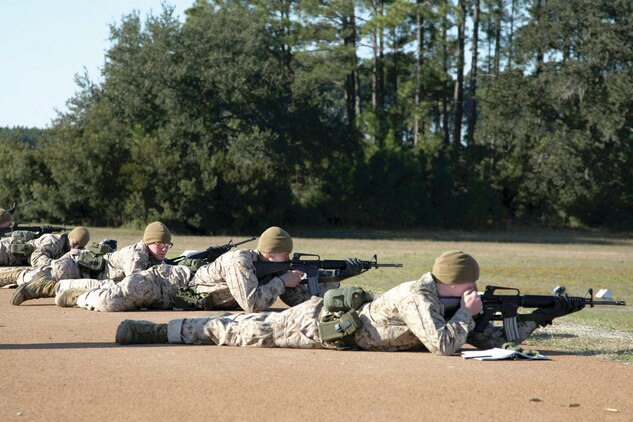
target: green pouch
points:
(345, 298)
(90, 261)
(333, 329)
(20, 248)
(188, 300)
(23, 235)
(99, 248)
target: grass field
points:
(533, 261)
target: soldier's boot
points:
(9, 276)
(68, 298)
(141, 332)
(37, 288)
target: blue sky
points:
(45, 43)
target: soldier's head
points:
(455, 272)
(79, 237)
(5, 219)
(157, 237)
(275, 244)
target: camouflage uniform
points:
(153, 288)
(232, 284)
(61, 268)
(47, 248)
(118, 264)
(406, 317)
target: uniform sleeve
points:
(133, 260)
(245, 288)
(39, 258)
(46, 249)
(427, 323)
(134, 263)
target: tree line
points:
(350, 113)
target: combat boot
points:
(9, 276)
(40, 287)
(141, 332)
(68, 298)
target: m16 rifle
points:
(210, 254)
(311, 267)
(504, 306)
(36, 230)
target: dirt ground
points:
(63, 364)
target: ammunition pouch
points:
(187, 299)
(345, 298)
(21, 249)
(88, 260)
(338, 324)
(20, 246)
(92, 259)
(338, 330)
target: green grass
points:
(533, 261)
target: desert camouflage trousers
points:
(83, 283)
(133, 293)
(293, 328)
(154, 288)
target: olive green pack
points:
(341, 320)
(188, 300)
(92, 258)
(339, 329)
(20, 246)
(23, 235)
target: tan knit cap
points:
(455, 267)
(156, 232)
(5, 216)
(274, 240)
(80, 235)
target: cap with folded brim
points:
(455, 267)
(156, 232)
(275, 240)
(80, 235)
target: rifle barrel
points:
(607, 302)
(244, 241)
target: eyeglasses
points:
(163, 245)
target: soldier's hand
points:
(291, 278)
(353, 266)
(472, 302)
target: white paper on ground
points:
(499, 354)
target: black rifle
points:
(311, 268)
(16, 207)
(210, 254)
(38, 230)
(504, 307)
